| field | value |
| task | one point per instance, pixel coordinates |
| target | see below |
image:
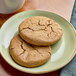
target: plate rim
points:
(43, 71)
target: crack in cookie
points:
(33, 29)
(49, 53)
(36, 50)
(11, 48)
(22, 48)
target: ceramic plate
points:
(62, 52)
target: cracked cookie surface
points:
(41, 31)
(28, 55)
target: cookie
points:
(28, 55)
(41, 31)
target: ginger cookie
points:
(28, 55)
(41, 31)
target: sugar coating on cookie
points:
(41, 31)
(28, 55)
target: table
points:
(61, 7)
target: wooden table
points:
(61, 7)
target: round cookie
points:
(41, 31)
(28, 55)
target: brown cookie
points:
(28, 55)
(41, 31)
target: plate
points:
(62, 52)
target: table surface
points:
(61, 7)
